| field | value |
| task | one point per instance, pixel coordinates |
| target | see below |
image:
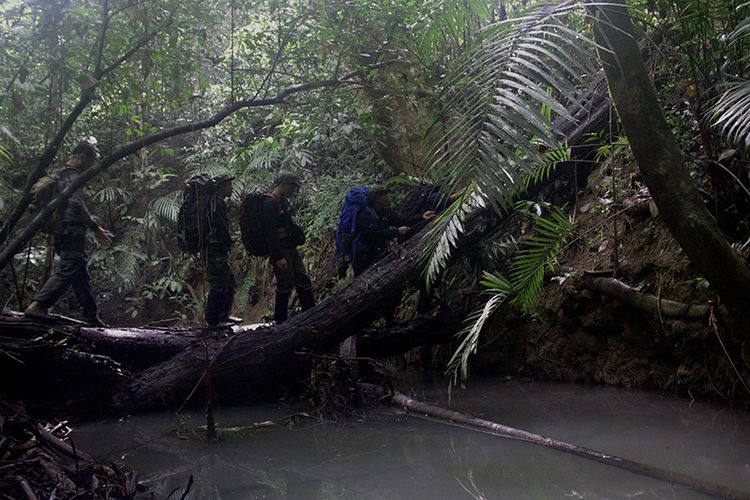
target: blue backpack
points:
(346, 233)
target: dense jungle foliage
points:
(344, 93)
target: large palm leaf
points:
(495, 123)
(732, 111)
(495, 130)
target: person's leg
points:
(220, 277)
(71, 264)
(302, 282)
(81, 284)
(229, 296)
(284, 287)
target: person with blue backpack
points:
(367, 223)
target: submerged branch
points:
(450, 417)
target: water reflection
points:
(389, 456)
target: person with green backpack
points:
(217, 244)
(69, 232)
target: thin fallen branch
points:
(647, 302)
(450, 417)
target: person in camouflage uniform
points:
(70, 246)
(283, 236)
(216, 253)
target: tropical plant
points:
(536, 255)
(732, 111)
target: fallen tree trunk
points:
(450, 417)
(398, 339)
(244, 365)
(134, 348)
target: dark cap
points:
(223, 178)
(288, 178)
(375, 192)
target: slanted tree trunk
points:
(663, 167)
(246, 364)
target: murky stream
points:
(392, 456)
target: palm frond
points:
(167, 207)
(458, 367)
(127, 265)
(111, 194)
(538, 253)
(447, 228)
(732, 112)
(495, 131)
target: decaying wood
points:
(36, 463)
(450, 417)
(664, 308)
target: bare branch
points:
(87, 95)
(14, 245)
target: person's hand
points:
(103, 237)
(403, 230)
(281, 265)
(428, 216)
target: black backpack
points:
(192, 221)
(251, 224)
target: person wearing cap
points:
(216, 253)
(70, 246)
(376, 225)
(283, 236)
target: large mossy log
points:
(246, 364)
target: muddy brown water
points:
(388, 455)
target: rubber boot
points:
(214, 307)
(306, 299)
(227, 300)
(281, 308)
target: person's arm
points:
(271, 226)
(222, 232)
(370, 229)
(396, 219)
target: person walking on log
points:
(283, 236)
(69, 236)
(376, 225)
(217, 245)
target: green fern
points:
(499, 290)
(538, 253)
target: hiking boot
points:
(96, 321)
(36, 311)
(221, 324)
(234, 319)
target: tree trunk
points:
(663, 167)
(245, 364)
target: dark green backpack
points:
(192, 220)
